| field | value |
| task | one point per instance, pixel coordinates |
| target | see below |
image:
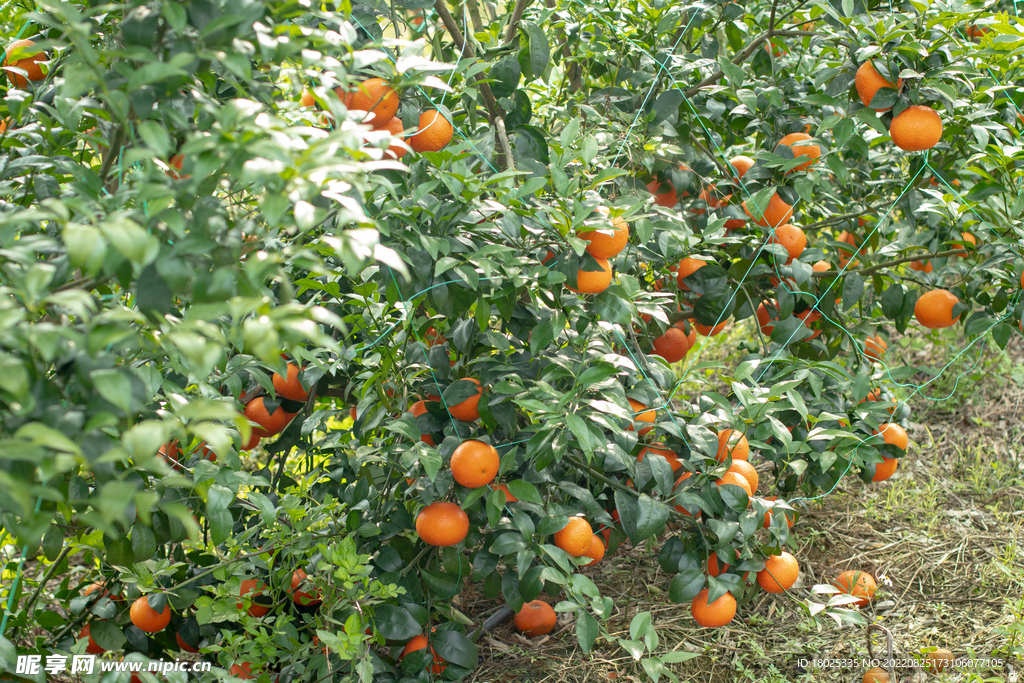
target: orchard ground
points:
(946, 530)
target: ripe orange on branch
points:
(734, 443)
(713, 615)
(397, 130)
(741, 165)
(434, 132)
(594, 281)
(747, 471)
(736, 479)
(575, 537)
(792, 238)
(147, 619)
(255, 587)
(875, 347)
(917, 128)
(420, 643)
(669, 455)
(595, 552)
(664, 194)
(468, 410)
(289, 387)
(779, 574)
(934, 309)
(775, 214)
(300, 597)
(868, 82)
(641, 414)
(269, 425)
(687, 267)
(27, 60)
(475, 463)
(673, 345)
(373, 96)
(603, 245)
(442, 524)
(794, 142)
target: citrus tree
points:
(315, 313)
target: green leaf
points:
(536, 53)
(107, 635)
(143, 542)
(524, 491)
(892, 301)
(455, 648)
(613, 308)
(114, 386)
(506, 73)
(587, 630)
(853, 288)
(508, 543)
(666, 106)
(510, 590)
(651, 518)
(53, 543)
(686, 585)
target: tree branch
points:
(517, 14)
(572, 69)
(873, 269)
(493, 113)
(738, 59)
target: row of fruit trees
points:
(315, 314)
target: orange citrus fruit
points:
(595, 552)
(641, 414)
(673, 345)
(917, 128)
(812, 152)
(536, 618)
(475, 463)
(934, 309)
(775, 214)
(148, 619)
(442, 524)
(875, 347)
(594, 281)
(434, 132)
(420, 643)
(469, 409)
(396, 128)
(792, 238)
(604, 245)
(575, 537)
(779, 574)
(860, 585)
(269, 425)
(868, 81)
(732, 442)
(741, 164)
(289, 387)
(747, 471)
(687, 267)
(29, 63)
(374, 96)
(713, 615)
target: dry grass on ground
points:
(945, 532)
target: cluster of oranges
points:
(379, 102)
(267, 423)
